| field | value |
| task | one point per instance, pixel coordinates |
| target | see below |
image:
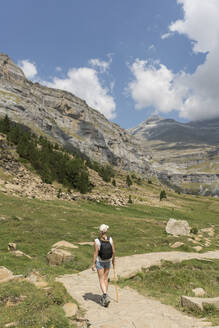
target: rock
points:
(58, 256)
(20, 253)
(11, 324)
(64, 244)
(2, 218)
(178, 227)
(198, 292)
(198, 304)
(11, 247)
(41, 284)
(177, 244)
(89, 243)
(197, 248)
(5, 275)
(209, 231)
(70, 309)
(12, 301)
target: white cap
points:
(103, 228)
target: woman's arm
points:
(95, 256)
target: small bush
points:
(114, 182)
(163, 194)
(128, 181)
(59, 193)
(149, 181)
(130, 200)
(194, 230)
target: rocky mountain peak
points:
(67, 119)
(9, 69)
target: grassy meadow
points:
(35, 225)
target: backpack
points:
(106, 250)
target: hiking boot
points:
(106, 300)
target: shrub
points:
(163, 194)
(130, 200)
(194, 230)
(114, 182)
(128, 181)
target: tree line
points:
(52, 162)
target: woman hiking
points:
(104, 253)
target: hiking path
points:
(133, 310)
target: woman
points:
(104, 252)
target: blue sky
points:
(128, 59)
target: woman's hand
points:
(93, 267)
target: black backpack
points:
(106, 250)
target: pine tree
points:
(128, 181)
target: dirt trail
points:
(133, 309)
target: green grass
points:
(135, 229)
(39, 309)
(169, 282)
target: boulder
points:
(177, 244)
(64, 244)
(198, 292)
(5, 275)
(70, 309)
(58, 256)
(196, 303)
(197, 248)
(178, 227)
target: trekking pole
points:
(115, 280)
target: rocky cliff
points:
(185, 155)
(69, 120)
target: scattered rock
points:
(70, 309)
(36, 279)
(41, 284)
(12, 301)
(11, 324)
(197, 248)
(178, 227)
(20, 253)
(198, 292)
(58, 256)
(177, 244)
(209, 231)
(198, 304)
(64, 244)
(11, 247)
(89, 243)
(2, 218)
(5, 275)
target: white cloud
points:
(85, 83)
(200, 23)
(166, 35)
(28, 68)
(100, 64)
(153, 86)
(152, 47)
(195, 95)
(58, 69)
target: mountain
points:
(185, 155)
(69, 120)
(169, 130)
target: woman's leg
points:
(106, 274)
(103, 285)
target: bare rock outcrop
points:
(68, 119)
(178, 227)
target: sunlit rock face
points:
(68, 119)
